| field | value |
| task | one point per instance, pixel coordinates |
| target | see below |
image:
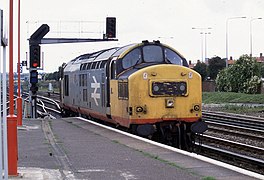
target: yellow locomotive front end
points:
(164, 93)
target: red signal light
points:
(35, 64)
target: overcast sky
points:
(170, 21)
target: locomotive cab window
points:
(172, 57)
(132, 58)
(152, 53)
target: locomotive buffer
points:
(35, 63)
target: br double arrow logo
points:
(96, 86)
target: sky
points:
(170, 21)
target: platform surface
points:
(74, 149)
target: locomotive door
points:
(111, 74)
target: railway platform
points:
(75, 148)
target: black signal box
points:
(110, 27)
(34, 56)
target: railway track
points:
(46, 106)
(239, 121)
(235, 139)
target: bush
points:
(243, 76)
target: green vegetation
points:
(228, 99)
(242, 109)
(231, 97)
(244, 76)
(211, 70)
(209, 178)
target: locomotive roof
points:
(107, 54)
(102, 54)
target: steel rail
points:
(242, 122)
(252, 164)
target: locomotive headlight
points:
(156, 88)
(169, 103)
(183, 87)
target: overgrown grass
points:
(229, 100)
(230, 97)
(242, 109)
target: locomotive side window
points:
(172, 57)
(152, 53)
(66, 85)
(132, 58)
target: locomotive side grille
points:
(169, 88)
(122, 90)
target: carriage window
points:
(132, 58)
(152, 53)
(173, 57)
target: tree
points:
(261, 66)
(243, 76)
(201, 69)
(215, 64)
(52, 76)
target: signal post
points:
(35, 64)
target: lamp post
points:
(202, 40)
(19, 99)
(252, 19)
(205, 45)
(227, 36)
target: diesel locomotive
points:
(145, 87)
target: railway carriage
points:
(145, 87)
